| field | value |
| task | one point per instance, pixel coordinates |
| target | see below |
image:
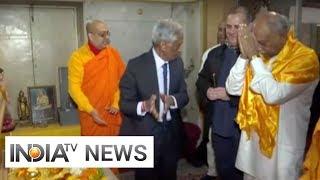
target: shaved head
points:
(270, 30)
(275, 22)
(98, 33)
(92, 25)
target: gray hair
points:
(242, 10)
(166, 30)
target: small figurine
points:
(23, 108)
(6, 122)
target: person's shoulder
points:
(178, 61)
(139, 60)
(215, 52)
(80, 55)
(114, 50)
(301, 50)
(84, 49)
(117, 55)
(212, 50)
(216, 49)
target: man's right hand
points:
(247, 42)
(150, 106)
(97, 118)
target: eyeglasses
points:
(102, 34)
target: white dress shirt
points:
(159, 63)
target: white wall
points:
(310, 20)
(34, 42)
(309, 15)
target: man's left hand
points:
(167, 101)
(113, 110)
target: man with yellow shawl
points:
(276, 76)
(94, 72)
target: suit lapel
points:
(172, 74)
(153, 77)
(217, 63)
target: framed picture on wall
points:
(43, 104)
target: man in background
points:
(222, 107)
(94, 72)
(205, 151)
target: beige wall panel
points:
(15, 51)
(54, 34)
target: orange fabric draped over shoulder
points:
(100, 84)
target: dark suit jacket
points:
(205, 80)
(138, 83)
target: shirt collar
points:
(93, 48)
(235, 48)
(159, 61)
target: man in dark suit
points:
(222, 108)
(153, 91)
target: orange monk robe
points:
(94, 84)
(311, 165)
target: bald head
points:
(98, 33)
(92, 26)
(270, 30)
(274, 22)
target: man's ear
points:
(162, 46)
(90, 36)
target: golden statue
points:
(6, 122)
(23, 108)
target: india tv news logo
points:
(79, 151)
(37, 152)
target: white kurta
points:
(295, 101)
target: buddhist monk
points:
(94, 72)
